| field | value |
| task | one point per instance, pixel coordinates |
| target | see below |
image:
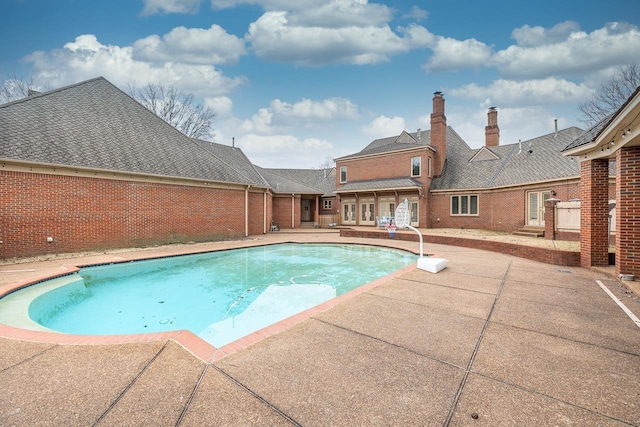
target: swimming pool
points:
(219, 296)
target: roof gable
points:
(405, 138)
(484, 154)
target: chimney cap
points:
(492, 108)
(437, 93)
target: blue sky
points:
(298, 82)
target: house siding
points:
(82, 213)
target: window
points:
(327, 205)
(429, 167)
(464, 205)
(415, 166)
(343, 174)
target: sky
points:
(296, 84)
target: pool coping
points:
(200, 348)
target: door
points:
(306, 210)
(367, 212)
(348, 211)
(535, 207)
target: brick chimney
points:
(439, 133)
(492, 131)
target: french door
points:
(535, 207)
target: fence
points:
(568, 216)
(328, 220)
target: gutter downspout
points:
(264, 212)
(293, 210)
(246, 211)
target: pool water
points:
(219, 296)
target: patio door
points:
(535, 207)
(348, 211)
(367, 212)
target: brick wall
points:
(256, 213)
(628, 211)
(594, 212)
(82, 213)
(282, 211)
(549, 256)
(499, 210)
(395, 165)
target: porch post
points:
(628, 211)
(594, 213)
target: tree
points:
(611, 95)
(15, 88)
(177, 108)
(327, 164)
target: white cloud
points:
(327, 109)
(530, 92)
(151, 7)
(267, 151)
(451, 55)
(573, 53)
(527, 36)
(274, 38)
(280, 116)
(384, 126)
(86, 58)
(191, 45)
(221, 105)
(416, 13)
(321, 13)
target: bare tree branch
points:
(15, 88)
(611, 95)
(177, 108)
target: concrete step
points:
(530, 231)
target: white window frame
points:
(419, 166)
(460, 204)
(343, 172)
(328, 204)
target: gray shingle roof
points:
(282, 181)
(590, 134)
(323, 180)
(94, 124)
(403, 141)
(236, 159)
(380, 184)
(515, 164)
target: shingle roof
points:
(322, 180)
(235, 158)
(590, 134)
(281, 181)
(94, 124)
(515, 164)
(403, 141)
(379, 184)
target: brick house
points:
(86, 167)
(617, 137)
(448, 184)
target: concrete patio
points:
(491, 340)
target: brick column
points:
(594, 213)
(628, 211)
(550, 219)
